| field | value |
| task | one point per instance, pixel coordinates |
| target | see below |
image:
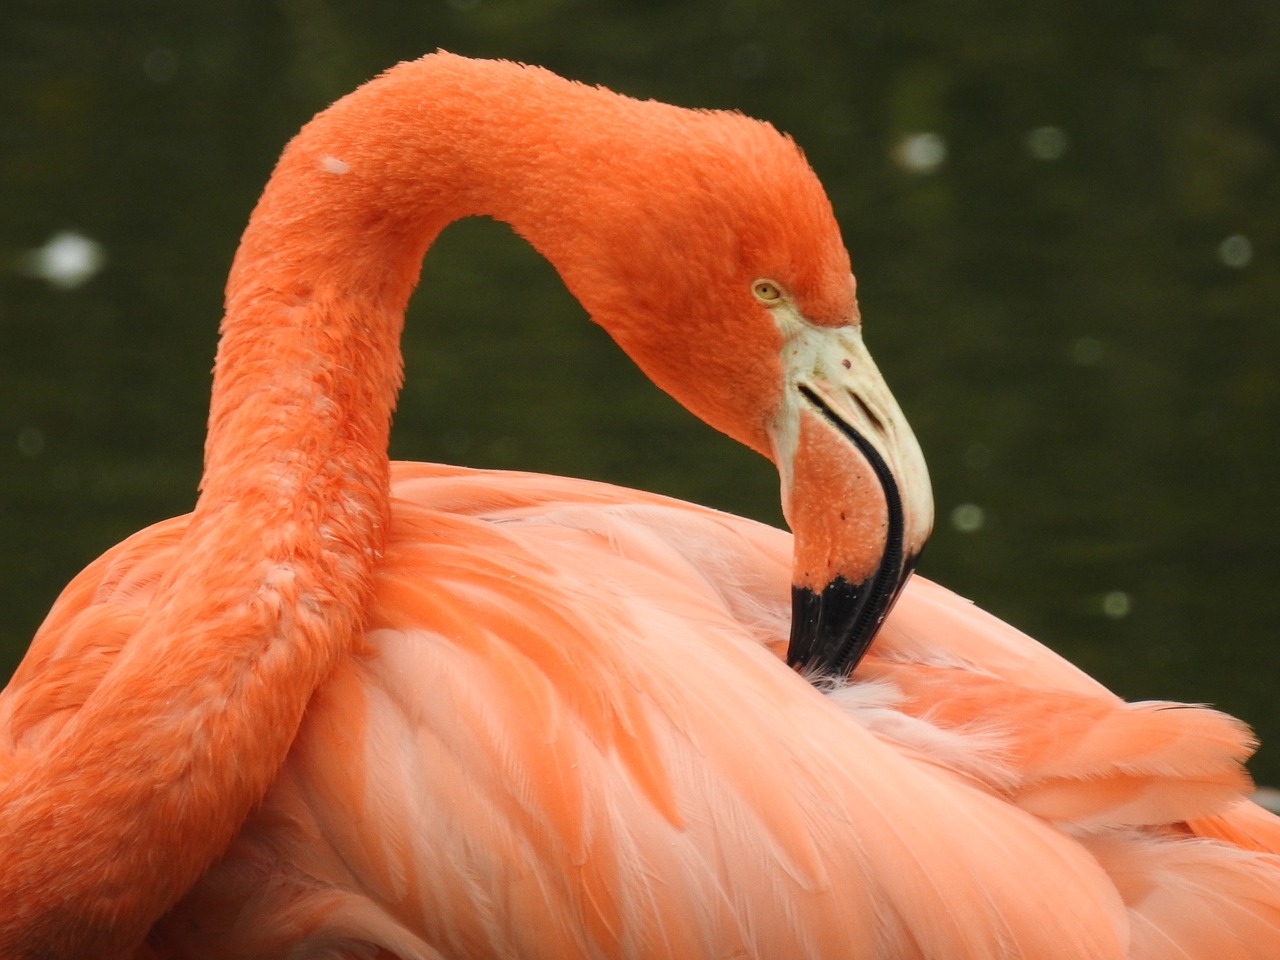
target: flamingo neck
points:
(190, 725)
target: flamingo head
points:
(710, 252)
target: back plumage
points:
(486, 779)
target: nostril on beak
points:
(867, 412)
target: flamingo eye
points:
(767, 292)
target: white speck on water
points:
(334, 165)
(1116, 605)
(66, 261)
(1046, 143)
(1236, 251)
(160, 65)
(1087, 351)
(30, 442)
(968, 518)
(921, 152)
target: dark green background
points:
(1077, 358)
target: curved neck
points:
(332, 252)
(278, 560)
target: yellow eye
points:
(767, 292)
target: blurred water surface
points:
(1065, 219)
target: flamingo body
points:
(346, 709)
(575, 739)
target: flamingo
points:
(348, 708)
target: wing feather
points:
(569, 735)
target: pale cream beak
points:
(855, 490)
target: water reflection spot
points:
(30, 442)
(968, 518)
(334, 165)
(1236, 251)
(1086, 351)
(66, 261)
(160, 65)
(1046, 143)
(1116, 605)
(921, 152)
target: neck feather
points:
(190, 725)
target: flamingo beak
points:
(855, 491)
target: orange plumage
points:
(355, 709)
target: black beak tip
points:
(832, 629)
